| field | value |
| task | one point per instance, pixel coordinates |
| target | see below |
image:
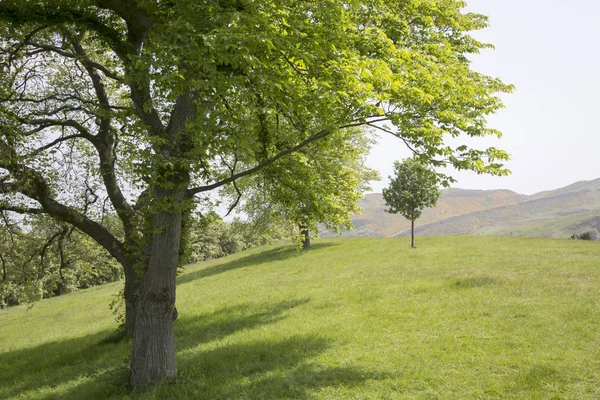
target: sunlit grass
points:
(456, 318)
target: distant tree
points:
(413, 187)
(316, 186)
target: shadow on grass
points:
(267, 369)
(263, 368)
(89, 368)
(49, 370)
(193, 331)
(539, 375)
(276, 254)
(468, 283)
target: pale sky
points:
(550, 50)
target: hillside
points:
(558, 213)
(356, 318)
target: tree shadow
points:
(196, 330)
(95, 366)
(270, 369)
(92, 367)
(474, 282)
(52, 366)
(263, 368)
(276, 254)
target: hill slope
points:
(457, 318)
(557, 213)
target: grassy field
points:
(357, 318)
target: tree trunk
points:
(305, 233)
(412, 233)
(130, 294)
(153, 352)
(3, 267)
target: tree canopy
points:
(142, 107)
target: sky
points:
(550, 51)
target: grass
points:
(357, 318)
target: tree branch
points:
(237, 189)
(49, 122)
(105, 142)
(32, 184)
(55, 142)
(64, 53)
(266, 163)
(406, 142)
(21, 44)
(138, 22)
(21, 210)
(19, 12)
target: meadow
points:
(353, 318)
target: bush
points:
(210, 237)
(589, 235)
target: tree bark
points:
(130, 293)
(153, 352)
(412, 233)
(3, 267)
(305, 233)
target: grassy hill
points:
(558, 213)
(357, 318)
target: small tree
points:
(412, 188)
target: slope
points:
(457, 318)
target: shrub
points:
(589, 235)
(211, 237)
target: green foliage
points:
(318, 185)
(413, 187)
(497, 318)
(264, 76)
(44, 259)
(117, 306)
(211, 237)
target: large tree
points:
(142, 107)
